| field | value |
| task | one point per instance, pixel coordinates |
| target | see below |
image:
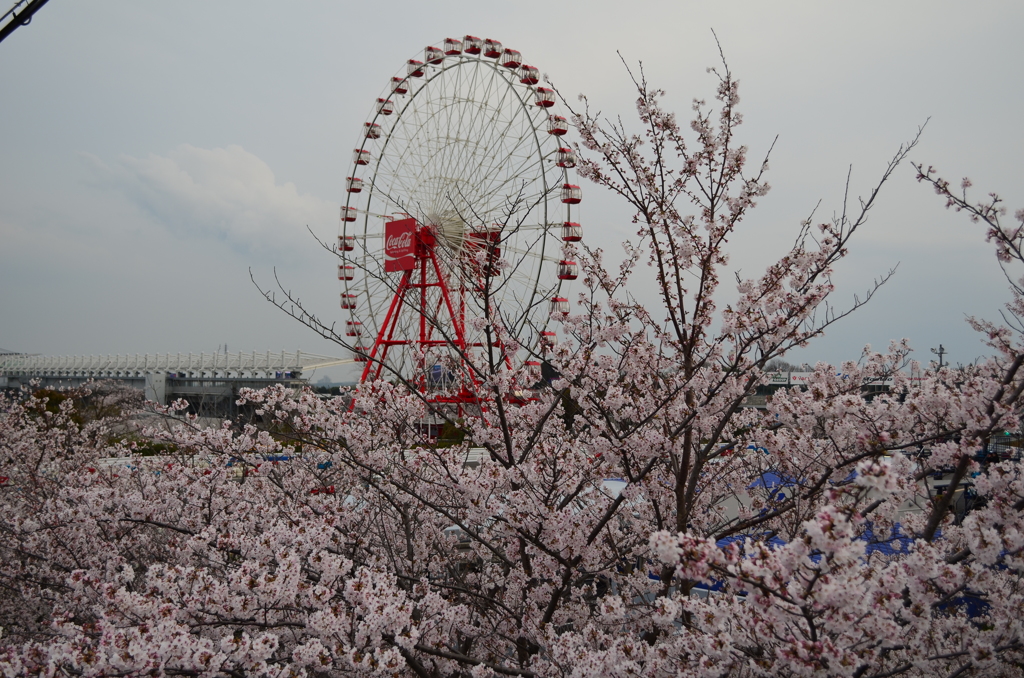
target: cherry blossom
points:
(630, 517)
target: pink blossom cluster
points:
(629, 517)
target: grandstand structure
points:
(208, 382)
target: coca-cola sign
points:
(400, 245)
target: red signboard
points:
(400, 245)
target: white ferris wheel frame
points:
(467, 150)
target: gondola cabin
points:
(433, 55)
(545, 97)
(385, 107)
(452, 47)
(347, 214)
(372, 130)
(566, 157)
(398, 85)
(528, 75)
(346, 272)
(571, 194)
(511, 59)
(348, 301)
(353, 184)
(568, 270)
(346, 243)
(414, 69)
(492, 49)
(361, 157)
(472, 45)
(560, 305)
(572, 232)
(557, 125)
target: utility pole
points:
(19, 18)
(939, 352)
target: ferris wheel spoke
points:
(500, 129)
(530, 165)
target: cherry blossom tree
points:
(631, 517)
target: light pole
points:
(939, 352)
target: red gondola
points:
(385, 107)
(361, 157)
(432, 55)
(372, 130)
(492, 49)
(566, 157)
(511, 58)
(528, 75)
(348, 214)
(568, 270)
(472, 44)
(571, 194)
(414, 69)
(348, 301)
(560, 305)
(452, 46)
(353, 328)
(572, 232)
(346, 272)
(353, 184)
(347, 243)
(557, 125)
(398, 85)
(547, 339)
(545, 97)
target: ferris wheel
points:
(460, 215)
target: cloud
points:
(227, 194)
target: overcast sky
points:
(154, 152)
